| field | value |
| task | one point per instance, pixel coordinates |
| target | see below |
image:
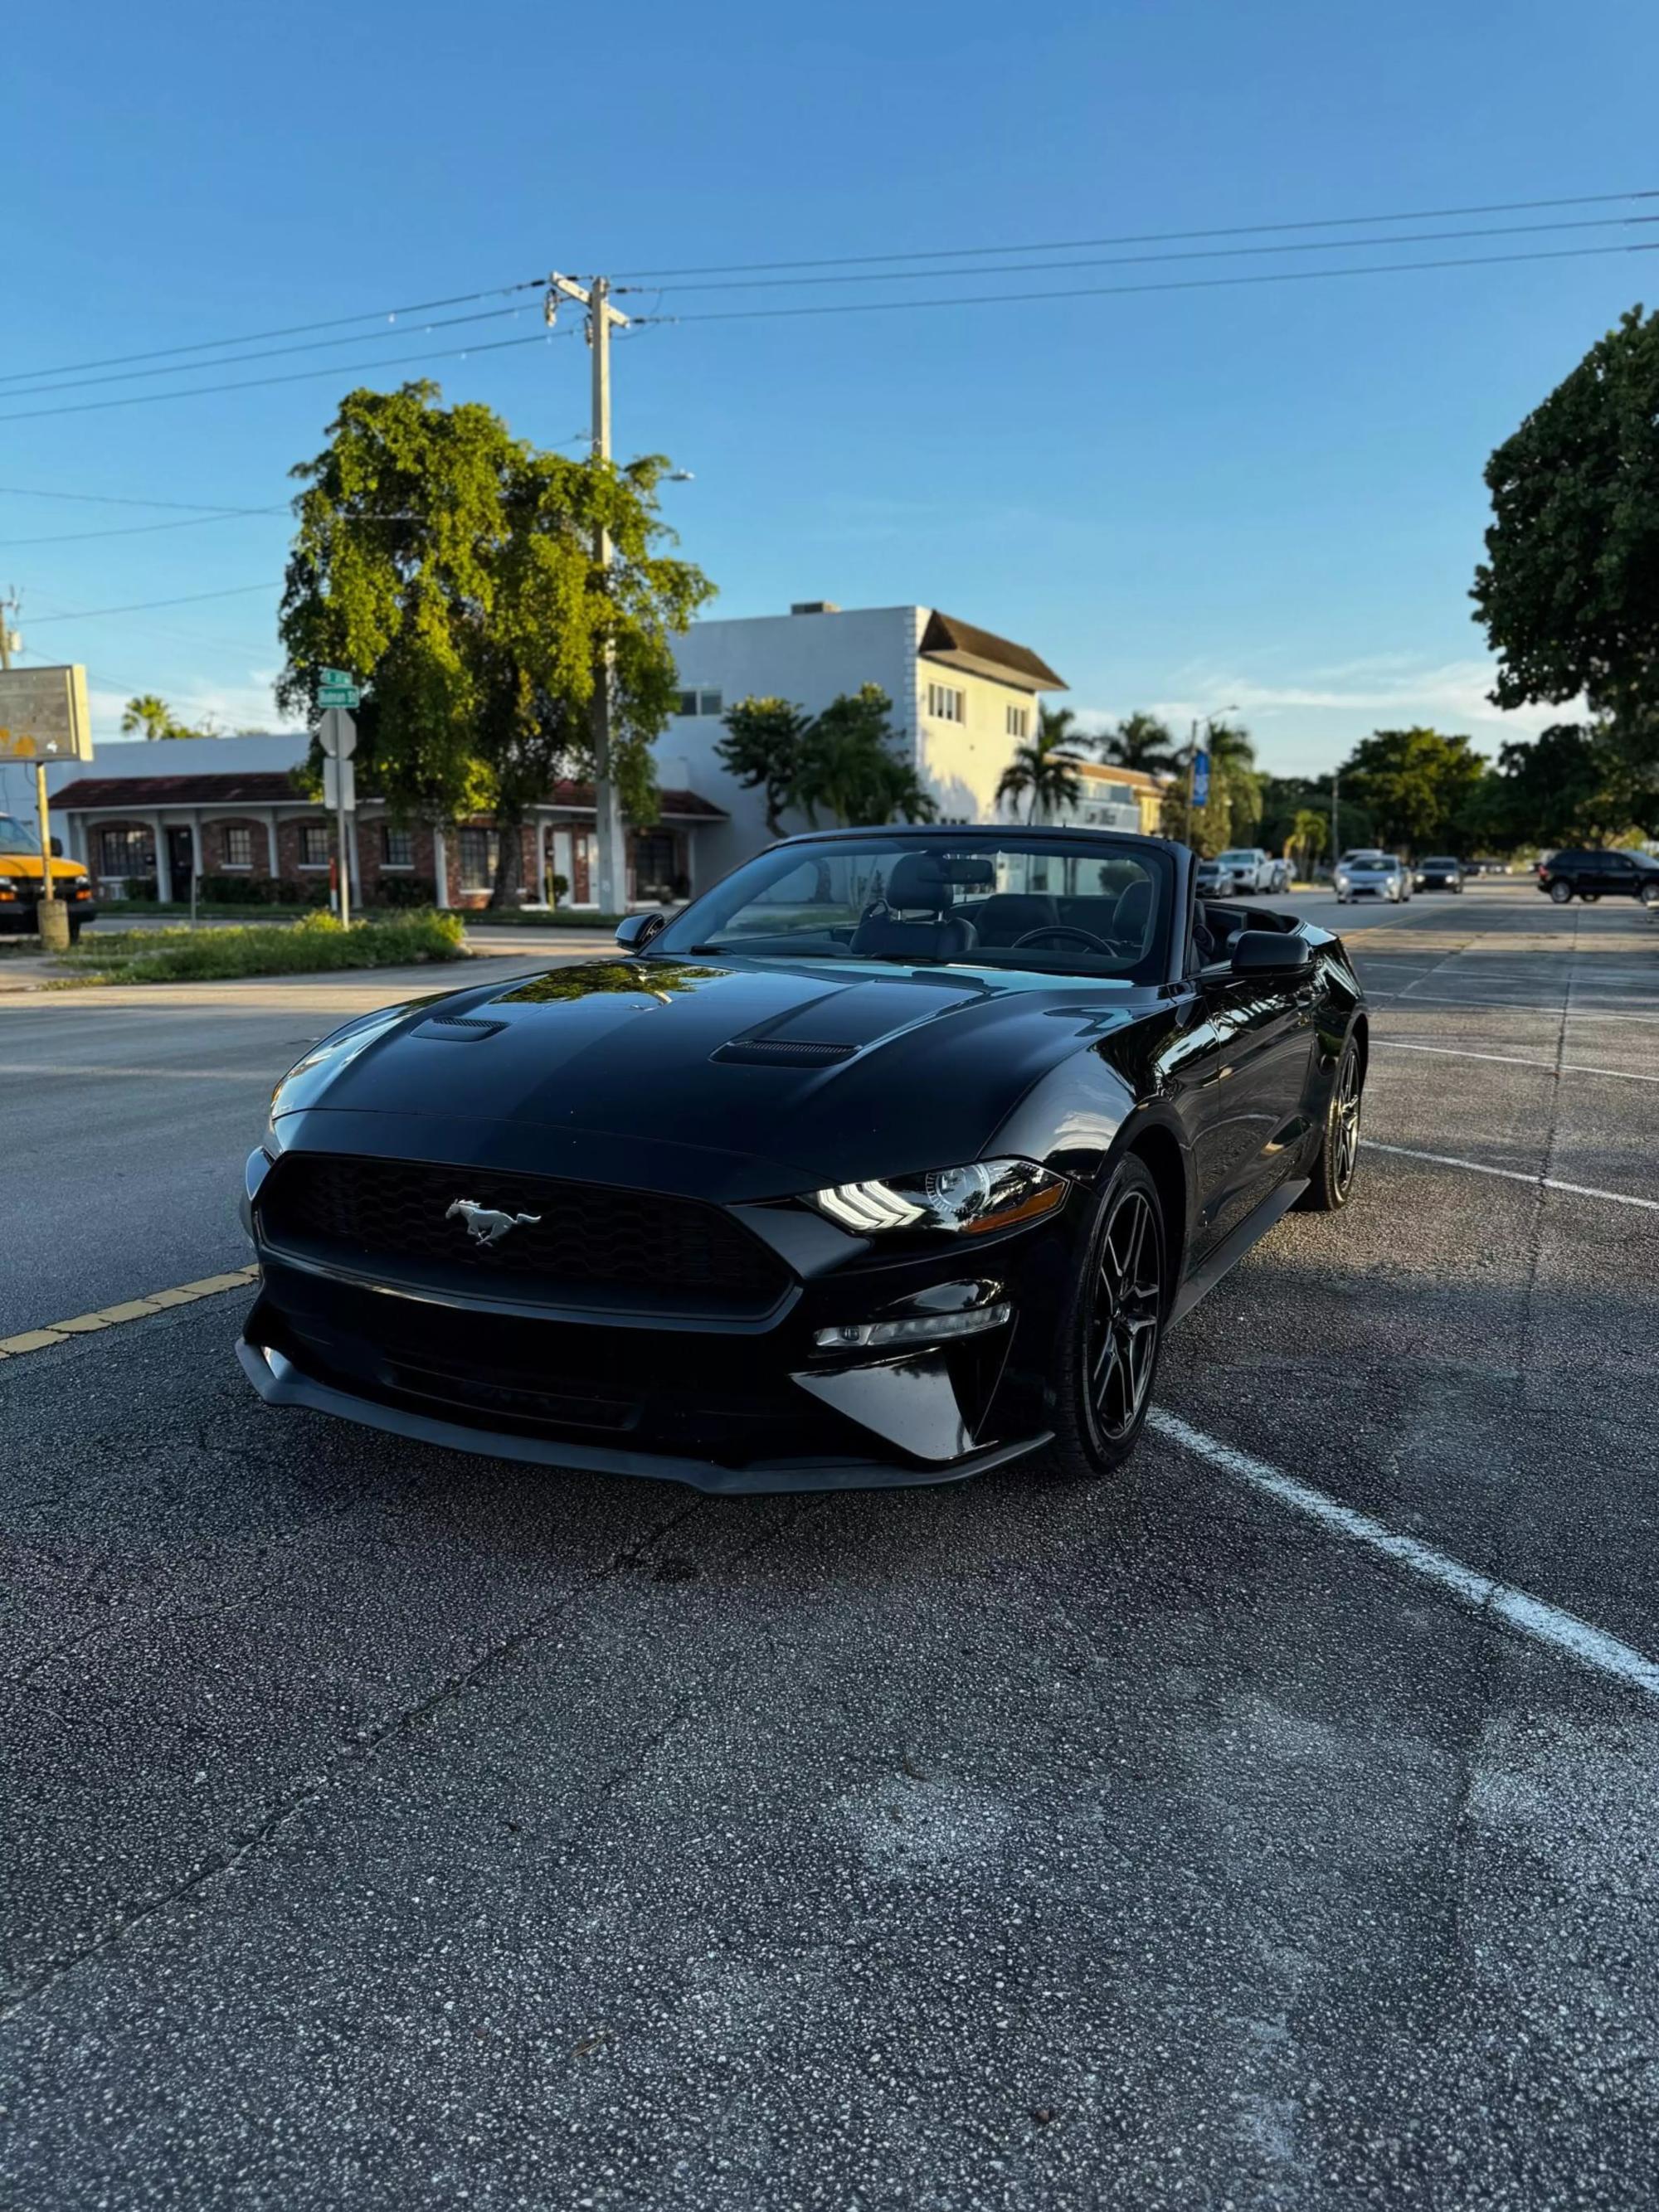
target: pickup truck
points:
(20, 882)
(1254, 869)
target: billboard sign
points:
(43, 714)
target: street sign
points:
(337, 686)
(1201, 778)
(43, 714)
(337, 733)
(339, 786)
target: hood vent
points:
(783, 1052)
(458, 1029)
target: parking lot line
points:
(1515, 1175)
(1517, 1609)
(1516, 1060)
(154, 1302)
(174, 1074)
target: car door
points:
(1617, 877)
(1240, 1075)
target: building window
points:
(239, 845)
(126, 853)
(656, 864)
(945, 703)
(397, 847)
(702, 702)
(480, 855)
(1018, 722)
(313, 844)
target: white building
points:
(963, 699)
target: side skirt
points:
(1254, 1227)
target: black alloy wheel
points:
(1127, 1314)
(1112, 1331)
(1331, 1183)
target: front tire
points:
(1330, 1186)
(1112, 1330)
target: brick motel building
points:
(252, 828)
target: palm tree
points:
(149, 713)
(1141, 741)
(1039, 768)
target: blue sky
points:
(1268, 494)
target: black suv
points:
(1593, 875)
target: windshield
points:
(1096, 905)
(1242, 855)
(1370, 861)
(13, 838)
(1440, 861)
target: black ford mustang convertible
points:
(891, 1158)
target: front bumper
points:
(280, 1383)
(17, 916)
(725, 1402)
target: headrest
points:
(927, 880)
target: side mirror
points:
(635, 931)
(57, 848)
(1270, 952)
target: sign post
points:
(43, 718)
(1201, 778)
(337, 733)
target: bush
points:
(182, 956)
(141, 891)
(233, 891)
(304, 891)
(407, 891)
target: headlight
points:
(962, 1201)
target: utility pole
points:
(48, 887)
(601, 319)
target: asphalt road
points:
(1275, 1829)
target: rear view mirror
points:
(1270, 952)
(635, 931)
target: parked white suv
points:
(1252, 869)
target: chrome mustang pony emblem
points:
(485, 1225)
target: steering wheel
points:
(1085, 936)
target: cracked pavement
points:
(387, 1828)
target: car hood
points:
(737, 1079)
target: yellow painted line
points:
(185, 1294)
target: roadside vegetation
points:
(318, 943)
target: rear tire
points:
(1560, 893)
(1330, 1186)
(1590, 897)
(1111, 1333)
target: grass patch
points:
(318, 943)
(558, 917)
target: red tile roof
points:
(138, 793)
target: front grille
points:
(579, 1240)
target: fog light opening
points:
(923, 1328)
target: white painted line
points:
(1516, 1006)
(1514, 1059)
(172, 1074)
(1517, 1608)
(1514, 1175)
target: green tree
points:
(1233, 811)
(1575, 783)
(156, 719)
(1141, 741)
(852, 767)
(450, 566)
(1041, 771)
(1311, 833)
(1569, 593)
(1416, 785)
(763, 748)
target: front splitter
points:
(280, 1383)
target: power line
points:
(1106, 291)
(291, 376)
(1149, 237)
(1199, 253)
(287, 331)
(270, 353)
(144, 606)
(141, 529)
(116, 499)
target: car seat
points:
(921, 886)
